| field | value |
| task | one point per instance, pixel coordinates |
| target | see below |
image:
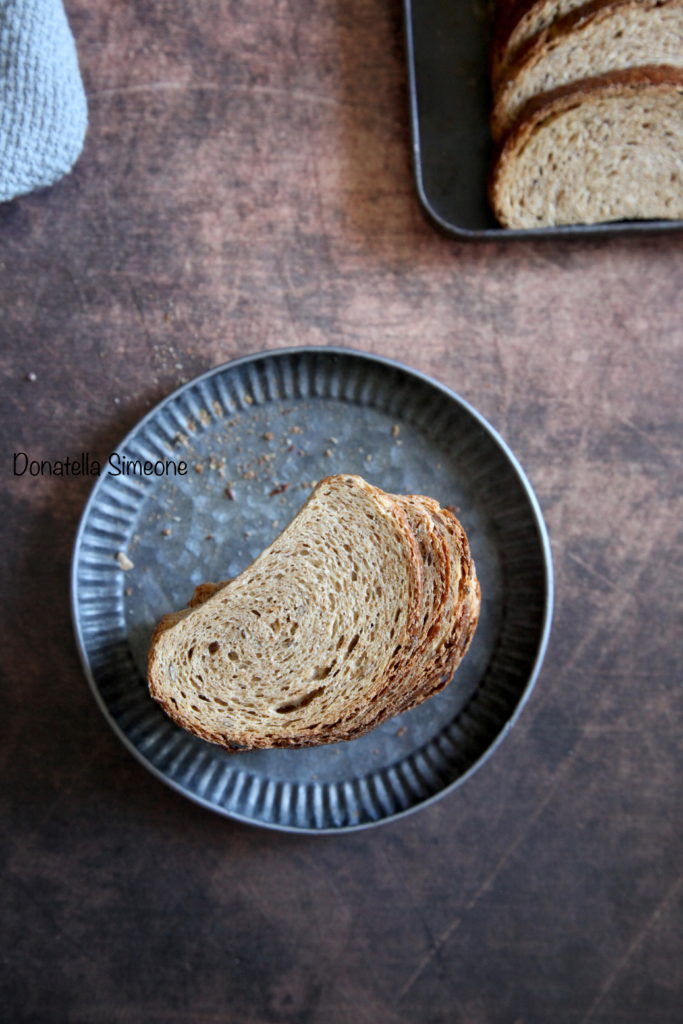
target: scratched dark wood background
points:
(246, 184)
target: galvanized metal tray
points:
(447, 44)
(256, 433)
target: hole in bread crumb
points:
(352, 643)
(202, 697)
(301, 702)
(223, 703)
(233, 656)
(340, 641)
(256, 613)
(213, 646)
(190, 653)
(321, 672)
(275, 626)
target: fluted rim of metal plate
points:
(385, 795)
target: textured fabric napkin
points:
(43, 112)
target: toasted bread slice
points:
(294, 650)
(460, 612)
(594, 40)
(325, 635)
(605, 149)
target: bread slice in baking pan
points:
(517, 21)
(602, 37)
(604, 149)
(322, 637)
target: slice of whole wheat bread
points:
(287, 652)
(603, 37)
(518, 21)
(460, 613)
(321, 638)
(461, 602)
(604, 149)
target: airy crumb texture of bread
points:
(592, 41)
(360, 609)
(517, 21)
(605, 149)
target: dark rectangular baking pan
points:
(447, 51)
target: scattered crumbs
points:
(129, 591)
(455, 509)
(204, 417)
(247, 534)
(229, 493)
(180, 439)
(218, 408)
(297, 430)
(278, 490)
(328, 452)
(402, 731)
(215, 463)
(438, 465)
(395, 430)
(31, 377)
(275, 523)
(368, 458)
(198, 468)
(124, 561)
(166, 532)
(248, 399)
(191, 426)
(116, 401)
(268, 436)
(209, 536)
(248, 474)
(176, 519)
(333, 440)
(399, 442)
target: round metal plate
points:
(256, 434)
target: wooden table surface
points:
(245, 185)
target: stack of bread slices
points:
(587, 111)
(361, 609)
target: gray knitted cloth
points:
(43, 113)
